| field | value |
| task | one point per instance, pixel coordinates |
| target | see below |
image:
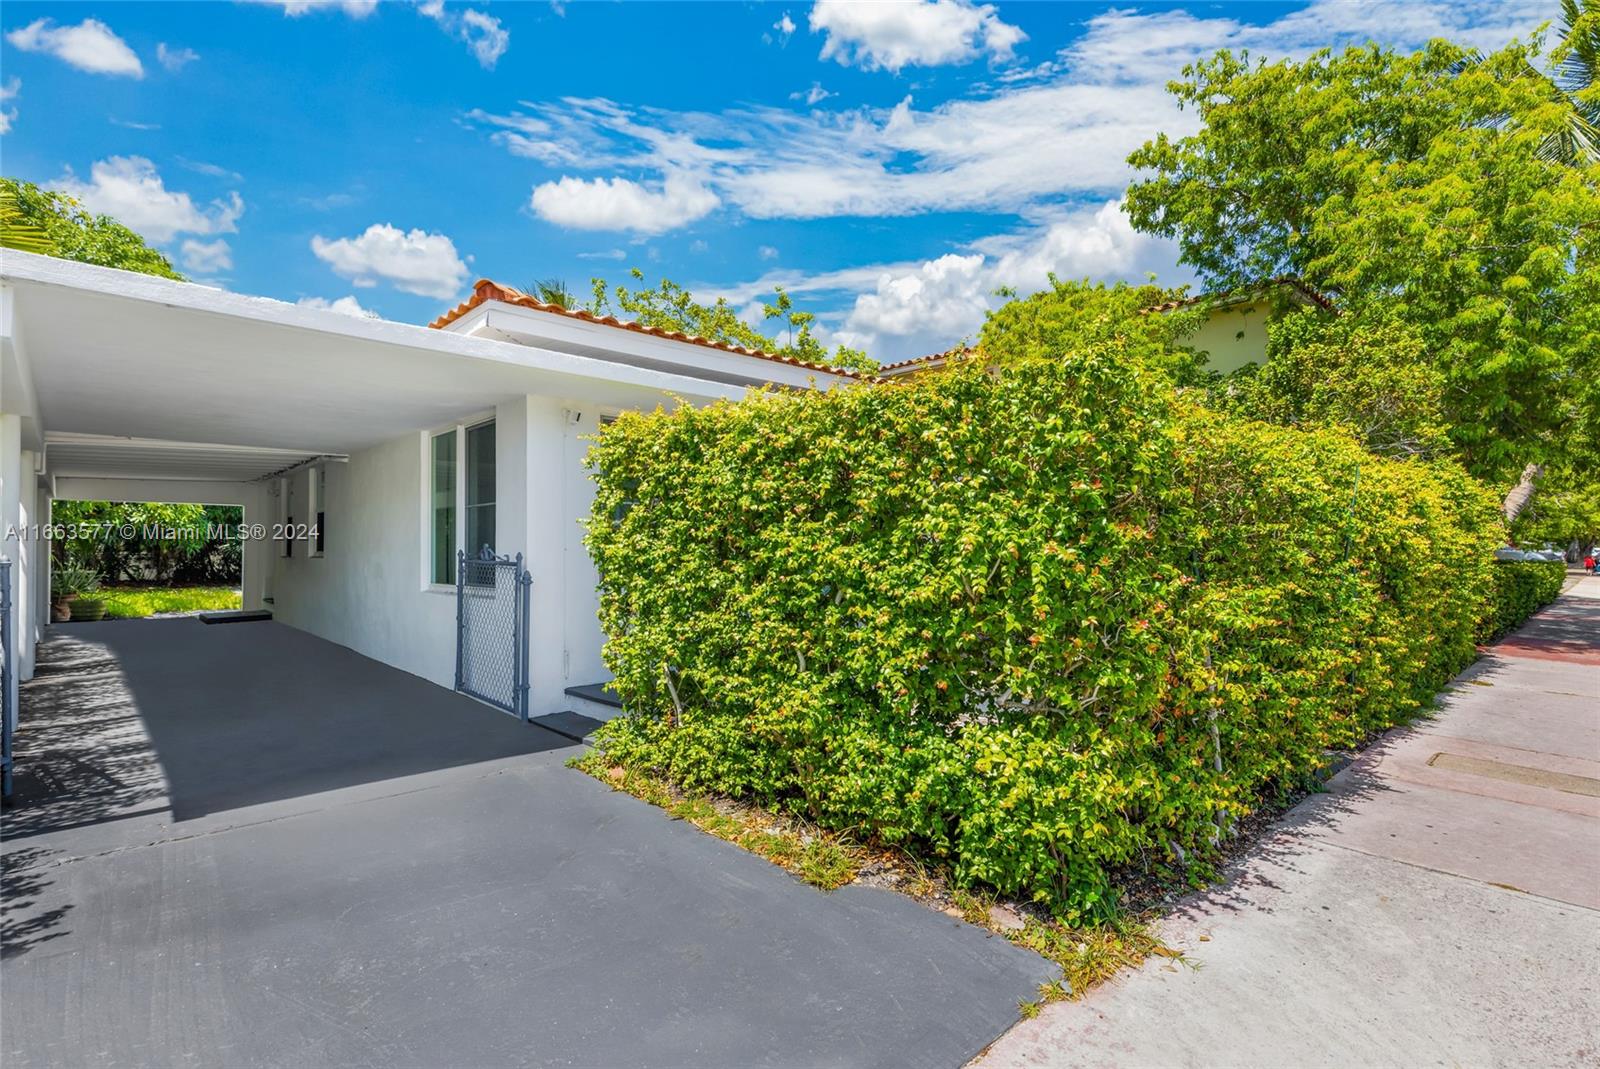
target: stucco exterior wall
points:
(1234, 336)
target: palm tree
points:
(16, 232)
(552, 291)
(1576, 58)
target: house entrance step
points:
(603, 693)
(571, 725)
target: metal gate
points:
(8, 714)
(492, 630)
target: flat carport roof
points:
(243, 845)
(91, 350)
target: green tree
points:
(671, 307)
(72, 232)
(1072, 314)
(1372, 377)
(1414, 184)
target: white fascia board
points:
(50, 271)
(635, 349)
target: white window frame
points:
(460, 427)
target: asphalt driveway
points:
(241, 845)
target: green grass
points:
(130, 602)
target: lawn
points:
(129, 602)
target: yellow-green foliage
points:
(1521, 588)
(1018, 617)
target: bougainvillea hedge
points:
(1046, 622)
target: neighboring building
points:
(409, 444)
(1234, 332)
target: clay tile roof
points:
(930, 359)
(1321, 300)
(487, 290)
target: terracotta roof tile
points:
(487, 290)
(1311, 294)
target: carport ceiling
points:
(146, 458)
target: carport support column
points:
(545, 529)
(11, 476)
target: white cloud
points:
(356, 9)
(813, 96)
(130, 190)
(1057, 132)
(906, 309)
(344, 305)
(175, 59)
(9, 92)
(767, 252)
(129, 124)
(206, 257)
(89, 46)
(603, 254)
(623, 204)
(785, 26)
(926, 33)
(485, 37)
(414, 261)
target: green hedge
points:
(1521, 588)
(1046, 622)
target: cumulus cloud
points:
(414, 261)
(206, 257)
(175, 59)
(905, 309)
(343, 305)
(927, 33)
(131, 190)
(9, 92)
(89, 46)
(623, 204)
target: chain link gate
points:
(8, 715)
(492, 629)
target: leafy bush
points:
(1040, 619)
(1521, 588)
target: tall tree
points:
(72, 232)
(1412, 182)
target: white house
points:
(408, 443)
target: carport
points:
(244, 845)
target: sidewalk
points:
(1439, 905)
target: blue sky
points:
(892, 163)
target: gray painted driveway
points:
(239, 845)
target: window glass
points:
(480, 488)
(443, 502)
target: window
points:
(480, 488)
(462, 482)
(444, 508)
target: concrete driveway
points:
(241, 845)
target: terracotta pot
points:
(61, 608)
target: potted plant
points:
(69, 583)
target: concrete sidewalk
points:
(1439, 905)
